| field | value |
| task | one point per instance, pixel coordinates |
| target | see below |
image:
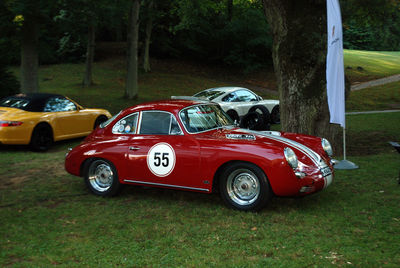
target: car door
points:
(241, 101)
(160, 154)
(245, 100)
(68, 121)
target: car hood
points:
(305, 146)
(189, 98)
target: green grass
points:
(374, 64)
(48, 218)
(384, 97)
(369, 134)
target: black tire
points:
(252, 121)
(99, 120)
(275, 115)
(263, 111)
(233, 115)
(101, 177)
(244, 186)
(42, 138)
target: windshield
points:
(106, 123)
(209, 94)
(15, 103)
(204, 117)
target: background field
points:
(48, 218)
(367, 65)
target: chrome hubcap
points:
(100, 175)
(243, 187)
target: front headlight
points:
(327, 147)
(291, 157)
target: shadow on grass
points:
(56, 147)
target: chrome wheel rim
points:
(100, 175)
(243, 187)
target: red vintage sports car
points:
(194, 146)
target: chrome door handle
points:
(134, 148)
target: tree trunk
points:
(29, 55)
(149, 27)
(87, 80)
(131, 90)
(229, 7)
(299, 56)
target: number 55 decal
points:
(161, 159)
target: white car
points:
(243, 106)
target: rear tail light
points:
(10, 123)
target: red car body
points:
(197, 160)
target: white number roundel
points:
(161, 159)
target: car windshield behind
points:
(13, 102)
(209, 94)
(204, 117)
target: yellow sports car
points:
(38, 119)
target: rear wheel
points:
(275, 115)
(99, 120)
(101, 177)
(42, 138)
(264, 113)
(244, 186)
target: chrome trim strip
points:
(168, 185)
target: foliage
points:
(374, 25)
(204, 32)
(249, 41)
(9, 84)
(9, 45)
(199, 30)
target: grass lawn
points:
(368, 65)
(384, 97)
(48, 217)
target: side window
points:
(231, 97)
(126, 125)
(245, 96)
(159, 123)
(59, 104)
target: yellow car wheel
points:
(42, 138)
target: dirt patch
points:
(14, 181)
(368, 143)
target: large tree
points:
(150, 12)
(132, 89)
(29, 46)
(299, 56)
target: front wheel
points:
(101, 177)
(252, 121)
(245, 187)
